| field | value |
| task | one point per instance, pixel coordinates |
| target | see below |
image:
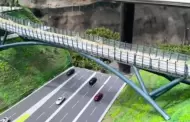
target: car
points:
(98, 97)
(5, 119)
(60, 100)
(70, 72)
(92, 81)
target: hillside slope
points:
(24, 69)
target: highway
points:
(80, 100)
(70, 88)
(78, 93)
(84, 100)
(33, 98)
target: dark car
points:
(92, 81)
(70, 72)
(98, 97)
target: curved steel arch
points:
(98, 61)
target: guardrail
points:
(141, 56)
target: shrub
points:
(104, 32)
(86, 63)
(185, 49)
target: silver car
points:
(60, 100)
(5, 119)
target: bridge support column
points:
(126, 28)
(2, 41)
(158, 92)
(139, 78)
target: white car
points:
(5, 119)
(60, 100)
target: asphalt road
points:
(70, 111)
(25, 104)
(95, 110)
(67, 90)
(79, 105)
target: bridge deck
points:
(184, 3)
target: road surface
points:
(25, 104)
(79, 105)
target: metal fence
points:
(141, 56)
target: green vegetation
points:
(80, 61)
(24, 13)
(185, 49)
(24, 69)
(104, 32)
(130, 107)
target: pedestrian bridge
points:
(182, 3)
(143, 57)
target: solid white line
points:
(93, 111)
(40, 115)
(102, 116)
(35, 107)
(57, 111)
(37, 90)
(63, 117)
(84, 108)
(75, 104)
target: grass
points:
(24, 69)
(24, 13)
(130, 107)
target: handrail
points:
(143, 57)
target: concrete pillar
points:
(126, 28)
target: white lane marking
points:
(75, 104)
(11, 115)
(93, 111)
(102, 116)
(40, 115)
(81, 77)
(57, 111)
(51, 104)
(85, 94)
(73, 85)
(35, 107)
(84, 108)
(37, 90)
(63, 117)
(110, 88)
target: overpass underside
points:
(173, 66)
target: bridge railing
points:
(141, 56)
(148, 50)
